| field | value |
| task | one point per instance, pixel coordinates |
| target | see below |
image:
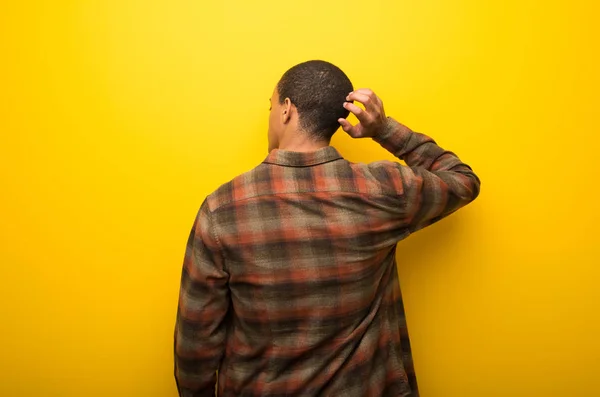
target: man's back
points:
(301, 288)
(309, 243)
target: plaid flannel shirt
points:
(289, 284)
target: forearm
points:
(417, 150)
(200, 330)
(436, 182)
(195, 370)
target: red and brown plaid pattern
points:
(289, 284)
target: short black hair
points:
(318, 89)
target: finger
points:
(360, 114)
(346, 126)
(366, 91)
(353, 130)
(357, 96)
(368, 102)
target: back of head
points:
(318, 89)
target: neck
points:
(300, 141)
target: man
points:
(289, 284)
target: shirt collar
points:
(302, 159)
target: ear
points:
(286, 111)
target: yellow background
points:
(118, 117)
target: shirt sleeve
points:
(200, 329)
(434, 183)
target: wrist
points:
(394, 137)
(386, 130)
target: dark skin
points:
(285, 132)
(371, 119)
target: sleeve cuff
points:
(393, 136)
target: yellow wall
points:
(118, 117)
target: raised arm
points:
(434, 184)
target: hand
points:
(371, 120)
